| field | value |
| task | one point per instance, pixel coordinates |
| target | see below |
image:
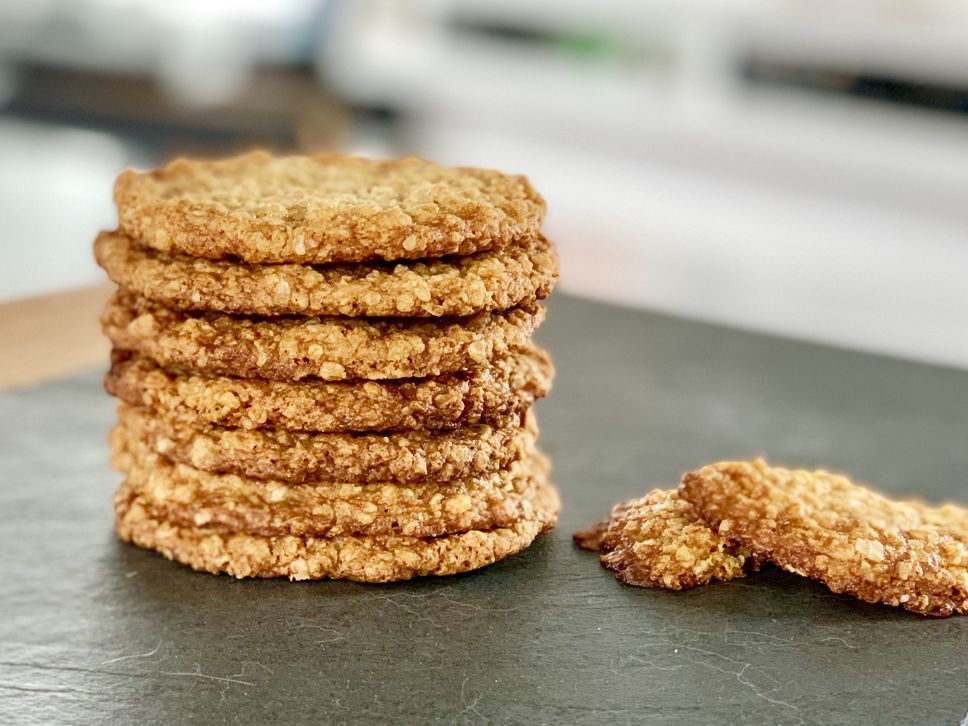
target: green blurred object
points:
(593, 47)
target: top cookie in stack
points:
(325, 366)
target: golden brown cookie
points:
(488, 281)
(506, 387)
(382, 558)
(592, 537)
(327, 208)
(854, 540)
(329, 349)
(182, 495)
(660, 541)
(295, 457)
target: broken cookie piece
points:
(660, 541)
(852, 539)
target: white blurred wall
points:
(672, 184)
(55, 194)
(56, 181)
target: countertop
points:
(93, 631)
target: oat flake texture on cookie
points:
(660, 541)
(852, 539)
(507, 387)
(345, 456)
(324, 365)
(492, 280)
(328, 208)
(185, 495)
(292, 348)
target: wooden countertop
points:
(52, 335)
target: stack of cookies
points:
(325, 368)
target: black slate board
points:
(94, 631)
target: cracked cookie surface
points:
(326, 208)
(659, 540)
(329, 348)
(503, 389)
(827, 528)
(487, 281)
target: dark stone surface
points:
(92, 631)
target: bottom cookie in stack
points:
(303, 528)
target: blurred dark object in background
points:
(796, 167)
(280, 109)
(172, 78)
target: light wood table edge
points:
(51, 336)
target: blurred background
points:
(792, 166)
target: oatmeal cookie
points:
(295, 457)
(660, 541)
(505, 388)
(487, 281)
(381, 558)
(854, 540)
(180, 494)
(330, 349)
(327, 208)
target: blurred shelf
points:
(278, 108)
